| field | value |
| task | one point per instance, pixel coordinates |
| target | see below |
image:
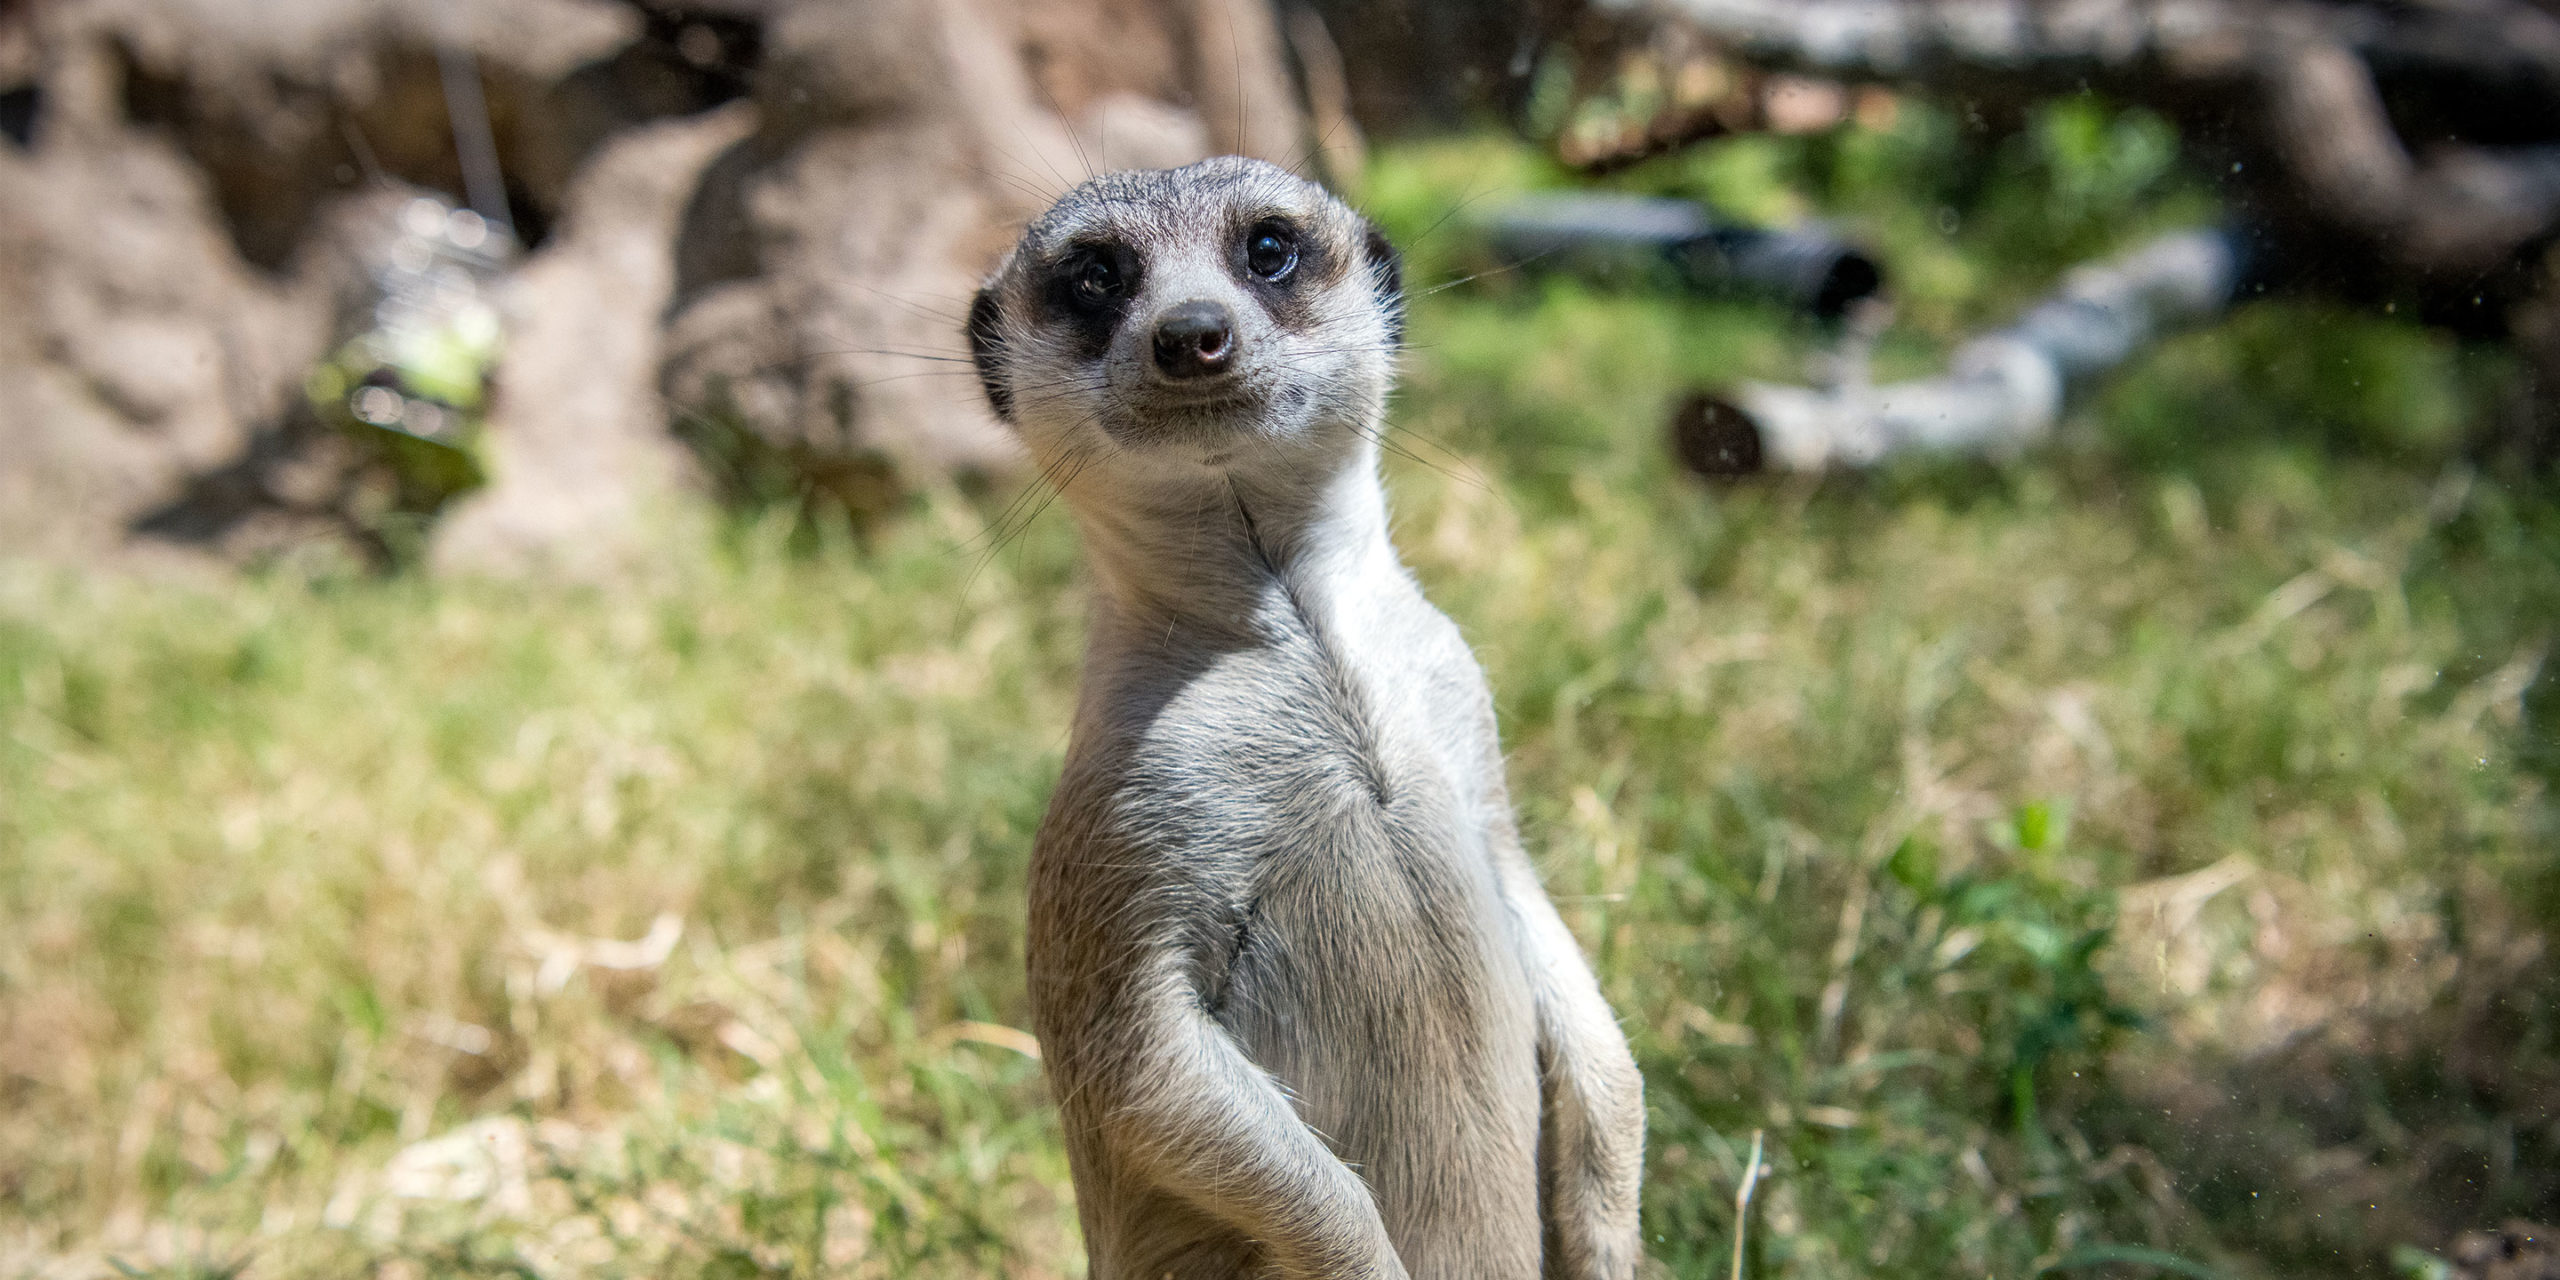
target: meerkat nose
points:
(1195, 339)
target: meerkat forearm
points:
(1591, 1140)
(1591, 1125)
(1190, 1113)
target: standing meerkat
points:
(1305, 1008)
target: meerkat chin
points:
(1303, 1004)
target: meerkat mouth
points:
(1209, 433)
(1184, 410)
(1226, 393)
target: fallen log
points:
(2002, 392)
(1611, 237)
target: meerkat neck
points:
(1207, 550)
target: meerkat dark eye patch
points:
(1271, 250)
(1089, 289)
(1097, 277)
(1095, 281)
(1283, 267)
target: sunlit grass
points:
(2141, 847)
(299, 873)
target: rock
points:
(1130, 131)
(580, 459)
(139, 351)
(288, 103)
(203, 181)
(206, 181)
(825, 267)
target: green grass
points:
(2131, 861)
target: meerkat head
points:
(1218, 315)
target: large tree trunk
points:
(2003, 391)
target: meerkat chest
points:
(1323, 732)
(1330, 793)
(1364, 923)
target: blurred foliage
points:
(2131, 861)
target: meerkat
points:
(1303, 1004)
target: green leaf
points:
(1915, 864)
(2035, 825)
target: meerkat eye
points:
(1095, 280)
(1270, 252)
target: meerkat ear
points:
(1386, 270)
(986, 345)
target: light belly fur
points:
(1376, 974)
(1397, 1016)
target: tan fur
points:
(1306, 1010)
